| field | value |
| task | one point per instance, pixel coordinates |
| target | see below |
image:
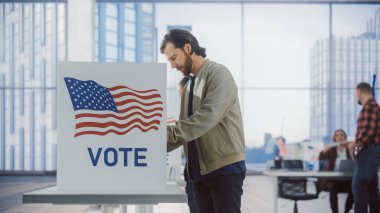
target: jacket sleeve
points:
(327, 155)
(172, 146)
(322, 156)
(221, 92)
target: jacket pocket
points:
(222, 139)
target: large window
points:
(221, 39)
(125, 32)
(33, 39)
(354, 59)
(267, 49)
(276, 71)
(296, 65)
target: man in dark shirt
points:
(367, 141)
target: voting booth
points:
(111, 127)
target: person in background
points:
(367, 141)
(189, 185)
(333, 155)
(279, 149)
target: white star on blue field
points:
(89, 95)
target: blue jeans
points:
(191, 197)
(365, 180)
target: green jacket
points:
(216, 124)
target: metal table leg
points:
(275, 194)
(144, 209)
(107, 208)
(122, 208)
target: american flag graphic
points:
(119, 109)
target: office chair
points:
(295, 188)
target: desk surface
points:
(172, 194)
(316, 174)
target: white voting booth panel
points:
(111, 127)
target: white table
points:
(275, 174)
(110, 201)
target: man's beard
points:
(187, 66)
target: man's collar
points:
(202, 67)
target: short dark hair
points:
(364, 87)
(183, 81)
(179, 38)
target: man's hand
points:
(352, 145)
(351, 149)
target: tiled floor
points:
(257, 198)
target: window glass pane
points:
(129, 14)
(111, 38)
(111, 24)
(354, 50)
(111, 51)
(111, 10)
(129, 55)
(129, 41)
(277, 47)
(208, 28)
(147, 7)
(129, 28)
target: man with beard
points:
(210, 125)
(367, 141)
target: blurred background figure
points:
(280, 149)
(367, 142)
(332, 157)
